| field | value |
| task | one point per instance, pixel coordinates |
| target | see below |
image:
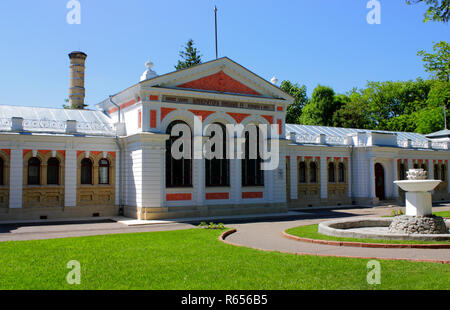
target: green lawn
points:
(311, 232)
(442, 214)
(194, 259)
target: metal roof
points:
(53, 120)
(343, 132)
(439, 134)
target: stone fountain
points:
(418, 218)
(417, 224)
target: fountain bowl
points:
(417, 185)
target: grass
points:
(444, 214)
(194, 259)
(311, 232)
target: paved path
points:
(22, 232)
(261, 233)
(267, 236)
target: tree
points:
(438, 64)
(320, 109)
(189, 57)
(294, 111)
(353, 112)
(438, 10)
(389, 100)
(429, 120)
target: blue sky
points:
(309, 42)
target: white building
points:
(78, 163)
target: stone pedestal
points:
(418, 204)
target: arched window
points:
(302, 172)
(53, 171)
(86, 171)
(34, 171)
(103, 171)
(416, 166)
(312, 172)
(402, 172)
(217, 169)
(2, 167)
(252, 174)
(341, 173)
(443, 173)
(179, 171)
(436, 171)
(331, 176)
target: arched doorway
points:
(379, 181)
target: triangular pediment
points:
(220, 82)
(220, 76)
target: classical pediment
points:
(219, 76)
(220, 82)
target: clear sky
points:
(309, 42)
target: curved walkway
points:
(268, 236)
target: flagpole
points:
(215, 18)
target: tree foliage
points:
(438, 10)
(321, 107)
(189, 56)
(294, 111)
(438, 63)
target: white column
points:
(70, 179)
(323, 178)
(118, 176)
(349, 177)
(430, 169)
(395, 194)
(431, 172)
(410, 164)
(372, 193)
(293, 177)
(236, 172)
(448, 177)
(145, 116)
(16, 178)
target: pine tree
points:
(189, 57)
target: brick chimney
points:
(76, 90)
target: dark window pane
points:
(252, 174)
(436, 172)
(312, 173)
(86, 171)
(341, 173)
(34, 171)
(53, 171)
(331, 177)
(217, 170)
(178, 171)
(302, 172)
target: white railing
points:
(52, 126)
(43, 125)
(5, 123)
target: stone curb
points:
(367, 245)
(224, 235)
